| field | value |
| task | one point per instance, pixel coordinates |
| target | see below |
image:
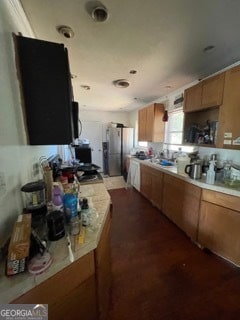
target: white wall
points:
(106, 118)
(16, 158)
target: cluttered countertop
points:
(12, 287)
(218, 186)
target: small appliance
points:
(35, 201)
(194, 170)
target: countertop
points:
(14, 286)
(172, 170)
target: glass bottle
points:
(85, 212)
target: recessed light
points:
(66, 31)
(100, 14)
(208, 48)
(121, 83)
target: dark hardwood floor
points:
(158, 273)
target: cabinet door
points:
(192, 98)
(212, 91)
(46, 91)
(181, 202)
(157, 188)
(149, 123)
(158, 124)
(142, 119)
(229, 113)
(71, 291)
(103, 269)
(146, 182)
(219, 230)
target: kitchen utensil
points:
(194, 170)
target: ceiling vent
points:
(100, 14)
(67, 32)
(121, 83)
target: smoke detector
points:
(66, 31)
(99, 14)
(121, 83)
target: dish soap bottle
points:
(211, 172)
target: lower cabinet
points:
(81, 290)
(219, 224)
(151, 185)
(70, 294)
(103, 270)
(180, 203)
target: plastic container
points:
(181, 163)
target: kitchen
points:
(16, 157)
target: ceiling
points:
(163, 40)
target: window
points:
(174, 127)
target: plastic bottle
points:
(70, 206)
(57, 197)
(211, 172)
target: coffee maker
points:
(35, 202)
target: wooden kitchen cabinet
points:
(150, 124)
(103, 270)
(180, 203)
(68, 293)
(229, 113)
(212, 91)
(142, 120)
(146, 181)
(151, 185)
(205, 94)
(219, 224)
(81, 290)
(192, 98)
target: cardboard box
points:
(19, 245)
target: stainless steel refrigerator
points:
(119, 144)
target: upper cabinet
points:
(205, 94)
(150, 124)
(192, 98)
(229, 113)
(212, 111)
(45, 82)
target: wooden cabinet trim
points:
(219, 231)
(221, 199)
